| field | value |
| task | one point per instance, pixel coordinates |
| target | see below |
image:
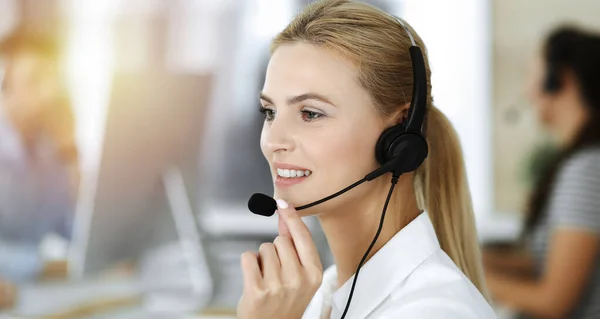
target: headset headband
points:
(418, 103)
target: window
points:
(457, 35)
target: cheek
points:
(544, 113)
(48, 91)
(263, 143)
(544, 110)
(541, 103)
(347, 154)
(340, 157)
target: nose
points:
(278, 136)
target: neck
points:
(350, 228)
(29, 138)
(573, 121)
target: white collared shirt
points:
(409, 277)
(34, 201)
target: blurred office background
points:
(145, 74)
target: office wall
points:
(457, 37)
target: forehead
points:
(299, 67)
(535, 69)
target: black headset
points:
(402, 148)
(554, 54)
(551, 80)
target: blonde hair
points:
(57, 119)
(378, 45)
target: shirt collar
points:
(12, 148)
(390, 265)
(10, 141)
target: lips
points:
(289, 181)
(289, 174)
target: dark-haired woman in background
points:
(558, 275)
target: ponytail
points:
(442, 190)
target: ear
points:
(569, 79)
(400, 115)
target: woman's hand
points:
(8, 294)
(281, 280)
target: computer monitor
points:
(141, 197)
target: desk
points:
(137, 313)
(499, 227)
(118, 298)
(106, 299)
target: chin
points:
(295, 198)
(288, 197)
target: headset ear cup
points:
(385, 141)
(551, 79)
(551, 83)
(412, 149)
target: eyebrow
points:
(300, 98)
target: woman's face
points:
(320, 125)
(557, 111)
(27, 88)
(542, 102)
(562, 112)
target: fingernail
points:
(282, 204)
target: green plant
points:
(538, 161)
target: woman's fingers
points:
(301, 236)
(251, 270)
(271, 267)
(288, 257)
(282, 227)
(290, 263)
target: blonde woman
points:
(340, 74)
(38, 159)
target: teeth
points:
(292, 173)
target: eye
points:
(310, 115)
(268, 113)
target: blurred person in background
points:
(38, 159)
(556, 272)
